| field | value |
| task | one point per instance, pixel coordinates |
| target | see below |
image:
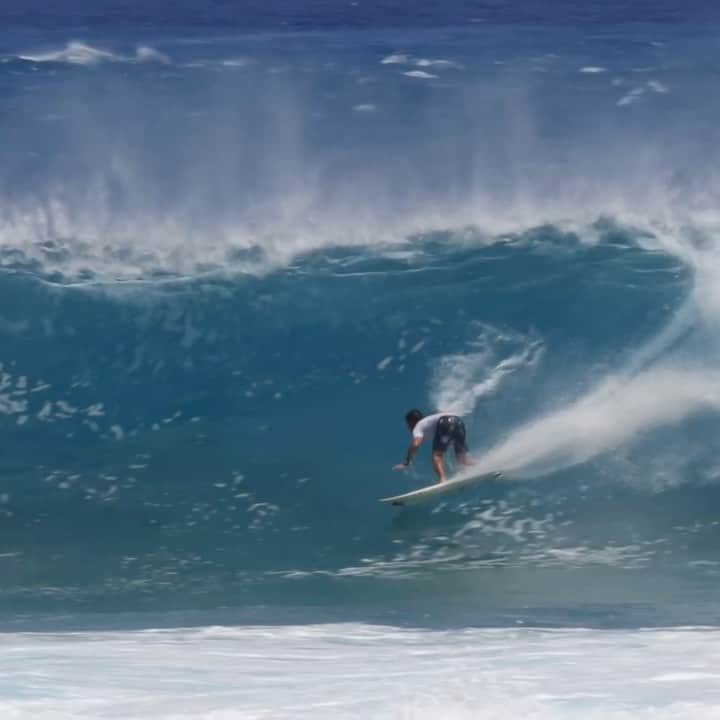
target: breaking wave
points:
(222, 290)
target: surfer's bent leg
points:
(441, 442)
(439, 466)
(460, 444)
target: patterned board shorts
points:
(450, 429)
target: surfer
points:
(444, 429)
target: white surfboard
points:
(438, 490)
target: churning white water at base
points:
(361, 671)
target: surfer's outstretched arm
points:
(416, 443)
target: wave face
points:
(229, 267)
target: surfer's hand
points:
(401, 466)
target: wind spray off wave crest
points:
(183, 163)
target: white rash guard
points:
(425, 428)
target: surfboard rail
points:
(439, 490)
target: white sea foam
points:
(396, 59)
(236, 62)
(144, 53)
(635, 93)
(633, 96)
(428, 62)
(78, 53)
(366, 671)
(420, 74)
(405, 59)
(593, 69)
(658, 87)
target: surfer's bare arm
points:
(416, 443)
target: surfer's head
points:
(412, 418)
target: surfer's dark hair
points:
(413, 417)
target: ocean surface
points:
(237, 244)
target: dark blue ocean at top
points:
(327, 14)
(238, 244)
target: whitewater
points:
(234, 251)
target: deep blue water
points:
(323, 14)
(236, 247)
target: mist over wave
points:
(139, 168)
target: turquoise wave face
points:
(224, 441)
